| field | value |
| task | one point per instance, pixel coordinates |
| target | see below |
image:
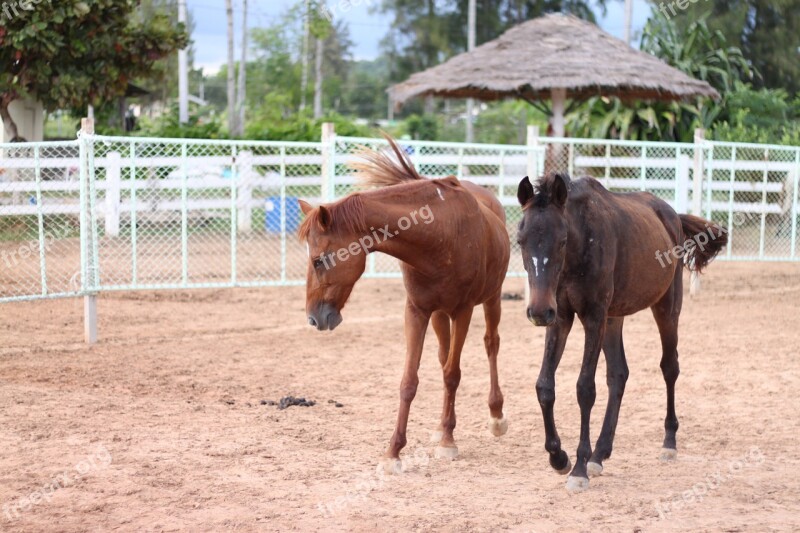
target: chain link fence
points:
(122, 213)
(496, 167)
(753, 190)
(40, 207)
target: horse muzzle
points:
(541, 317)
(325, 317)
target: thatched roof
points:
(553, 52)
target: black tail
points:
(709, 239)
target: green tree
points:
(699, 52)
(767, 32)
(73, 53)
(276, 70)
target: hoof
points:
(669, 454)
(594, 469)
(498, 426)
(577, 484)
(436, 436)
(446, 452)
(567, 467)
(391, 466)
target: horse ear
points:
(305, 207)
(324, 218)
(561, 190)
(524, 191)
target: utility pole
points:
(183, 72)
(242, 91)
(470, 47)
(318, 78)
(231, 67)
(628, 20)
(304, 76)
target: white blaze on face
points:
(439, 191)
(536, 264)
(308, 250)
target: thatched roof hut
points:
(553, 57)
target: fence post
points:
(245, 191)
(533, 172)
(533, 154)
(87, 245)
(328, 188)
(682, 183)
(113, 185)
(697, 193)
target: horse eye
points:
(317, 263)
(563, 243)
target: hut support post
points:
(558, 97)
(556, 161)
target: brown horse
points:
(453, 246)
(604, 256)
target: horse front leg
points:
(416, 324)
(555, 340)
(616, 377)
(594, 326)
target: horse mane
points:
(346, 214)
(378, 168)
(543, 189)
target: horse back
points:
(624, 232)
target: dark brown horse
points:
(451, 240)
(603, 256)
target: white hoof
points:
(577, 484)
(436, 436)
(498, 426)
(594, 469)
(390, 466)
(446, 452)
(669, 454)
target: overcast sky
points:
(366, 29)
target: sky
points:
(366, 29)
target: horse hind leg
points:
(616, 377)
(498, 425)
(666, 312)
(441, 326)
(451, 373)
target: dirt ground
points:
(161, 427)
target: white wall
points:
(29, 116)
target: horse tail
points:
(378, 168)
(709, 238)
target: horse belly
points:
(640, 279)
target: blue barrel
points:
(292, 212)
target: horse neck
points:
(417, 244)
(576, 238)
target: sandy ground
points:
(160, 426)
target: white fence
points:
(105, 213)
